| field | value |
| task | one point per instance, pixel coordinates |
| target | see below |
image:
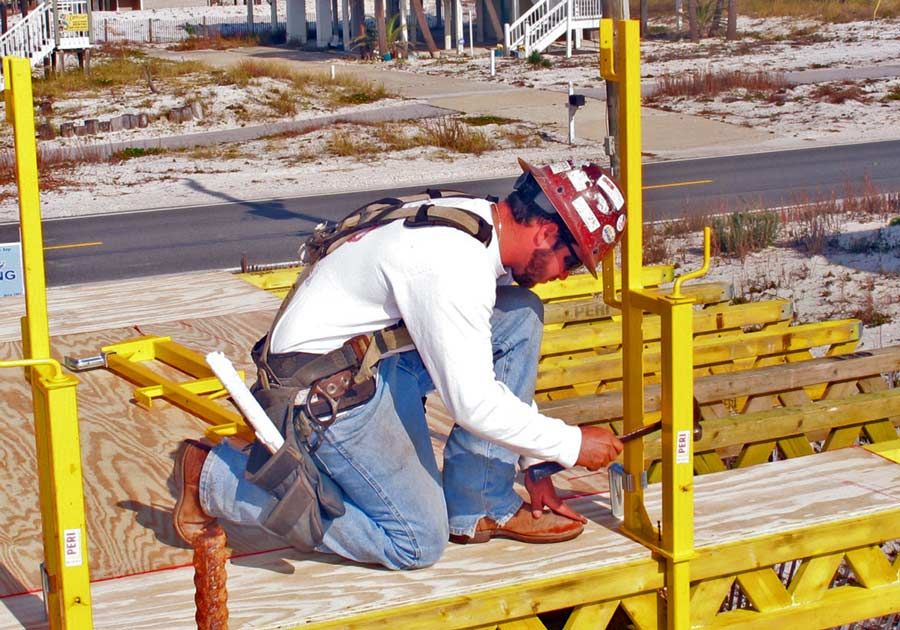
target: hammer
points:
(545, 469)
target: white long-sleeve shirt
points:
(442, 283)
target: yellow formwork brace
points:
(620, 62)
(197, 396)
(58, 448)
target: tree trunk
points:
(715, 25)
(731, 33)
(334, 19)
(357, 18)
(679, 15)
(380, 27)
(645, 28)
(693, 25)
(423, 26)
(495, 19)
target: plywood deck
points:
(282, 587)
(154, 299)
(141, 573)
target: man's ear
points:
(546, 235)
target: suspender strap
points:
(360, 353)
(383, 341)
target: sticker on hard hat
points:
(620, 222)
(612, 190)
(609, 234)
(602, 206)
(579, 180)
(587, 215)
(558, 167)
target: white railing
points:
(74, 26)
(547, 20)
(33, 36)
(30, 37)
(110, 27)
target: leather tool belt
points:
(324, 384)
(305, 394)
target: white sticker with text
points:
(612, 190)
(72, 546)
(587, 215)
(683, 447)
(579, 179)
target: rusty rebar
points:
(210, 596)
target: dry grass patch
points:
(520, 138)
(342, 90)
(838, 93)
(826, 10)
(710, 84)
(345, 143)
(450, 133)
(216, 41)
(127, 68)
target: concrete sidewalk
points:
(665, 134)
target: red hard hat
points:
(587, 200)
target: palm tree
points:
(423, 26)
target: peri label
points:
(612, 190)
(72, 542)
(683, 447)
(587, 216)
(620, 222)
(579, 180)
(559, 167)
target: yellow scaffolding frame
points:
(58, 447)
(674, 541)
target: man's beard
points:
(536, 268)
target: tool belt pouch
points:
(303, 493)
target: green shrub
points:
(483, 120)
(537, 60)
(741, 233)
(136, 152)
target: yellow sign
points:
(76, 22)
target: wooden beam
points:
(719, 387)
(707, 351)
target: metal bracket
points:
(628, 481)
(84, 364)
(45, 587)
(609, 146)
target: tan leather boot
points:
(189, 518)
(549, 528)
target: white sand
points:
(837, 284)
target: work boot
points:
(522, 526)
(189, 518)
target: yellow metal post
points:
(676, 540)
(623, 67)
(677, 458)
(58, 446)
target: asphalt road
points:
(116, 246)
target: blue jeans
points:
(400, 510)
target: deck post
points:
(57, 442)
